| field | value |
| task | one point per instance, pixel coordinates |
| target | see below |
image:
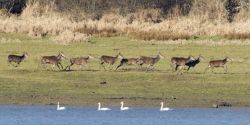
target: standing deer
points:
(17, 59)
(150, 61)
(218, 63)
(82, 61)
(54, 60)
(128, 61)
(180, 62)
(110, 60)
(193, 63)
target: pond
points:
(48, 115)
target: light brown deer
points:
(218, 63)
(110, 60)
(82, 61)
(54, 60)
(150, 61)
(128, 61)
(17, 59)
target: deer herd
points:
(177, 63)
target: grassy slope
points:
(30, 84)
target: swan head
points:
(99, 103)
(122, 102)
(162, 103)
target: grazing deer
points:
(193, 63)
(17, 59)
(54, 60)
(110, 60)
(82, 61)
(129, 61)
(180, 62)
(218, 63)
(150, 61)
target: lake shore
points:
(134, 102)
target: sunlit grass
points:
(30, 83)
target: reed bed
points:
(204, 18)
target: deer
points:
(128, 61)
(193, 63)
(54, 60)
(218, 63)
(180, 62)
(82, 61)
(150, 61)
(17, 59)
(110, 60)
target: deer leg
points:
(9, 63)
(119, 66)
(181, 68)
(225, 68)
(141, 64)
(176, 67)
(60, 64)
(148, 67)
(17, 64)
(152, 67)
(12, 64)
(53, 67)
(44, 66)
(102, 64)
(206, 69)
(172, 67)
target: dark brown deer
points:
(110, 60)
(54, 60)
(218, 63)
(150, 61)
(128, 61)
(17, 59)
(180, 62)
(193, 63)
(82, 61)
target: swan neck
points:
(121, 105)
(161, 106)
(99, 106)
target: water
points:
(47, 115)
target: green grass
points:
(31, 84)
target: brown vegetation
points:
(141, 20)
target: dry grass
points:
(234, 35)
(157, 35)
(204, 19)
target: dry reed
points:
(204, 18)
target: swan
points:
(60, 108)
(124, 108)
(164, 109)
(102, 109)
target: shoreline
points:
(136, 102)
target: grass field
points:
(31, 84)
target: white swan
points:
(123, 108)
(164, 109)
(60, 108)
(102, 109)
